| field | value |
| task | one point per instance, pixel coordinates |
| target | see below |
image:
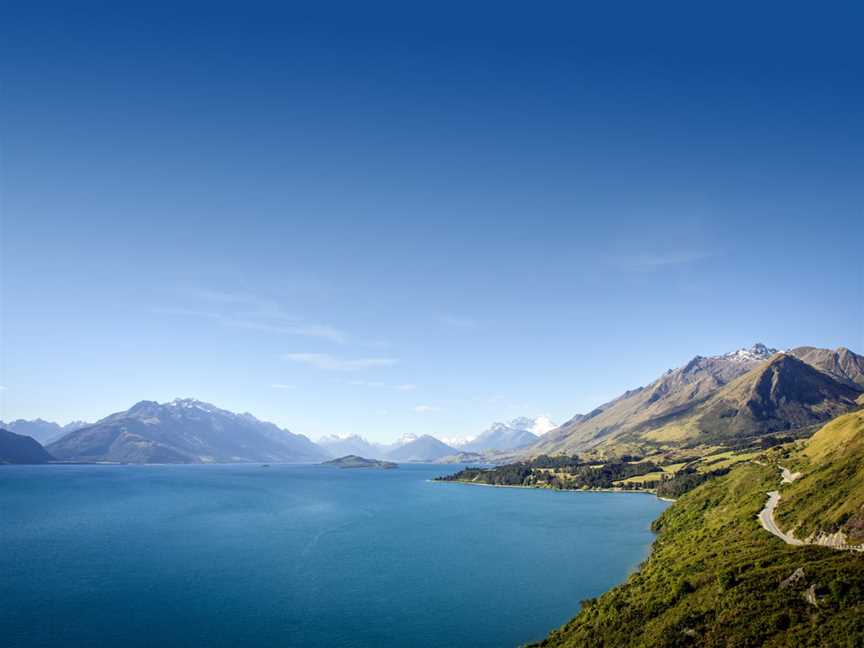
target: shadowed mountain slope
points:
(20, 449)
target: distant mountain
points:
(352, 445)
(518, 433)
(20, 449)
(421, 449)
(184, 431)
(408, 447)
(717, 399)
(43, 431)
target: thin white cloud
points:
(322, 331)
(327, 362)
(406, 387)
(422, 409)
(254, 313)
(542, 425)
(283, 386)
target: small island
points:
(354, 461)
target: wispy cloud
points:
(322, 331)
(543, 424)
(327, 362)
(256, 313)
(375, 383)
(459, 322)
(283, 386)
(423, 409)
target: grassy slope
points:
(713, 580)
(829, 496)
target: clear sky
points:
(405, 217)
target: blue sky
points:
(386, 219)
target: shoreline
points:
(579, 490)
(642, 491)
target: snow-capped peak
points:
(757, 352)
(334, 438)
(192, 404)
(538, 425)
(457, 442)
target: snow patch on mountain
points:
(757, 352)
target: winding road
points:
(766, 519)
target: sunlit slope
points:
(698, 405)
(828, 498)
(716, 578)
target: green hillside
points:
(717, 578)
(829, 496)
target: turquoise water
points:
(300, 555)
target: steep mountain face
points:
(421, 449)
(20, 449)
(504, 436)
(674, 393)
(43, 431)
(352, 445)
(784, 393)
(184, 431)
(746, 393)
(842, 364)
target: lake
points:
(223, 555)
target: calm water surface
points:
(300, 555)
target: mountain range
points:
(727, 400)
(183, 431)
(722, 400)
(43, 431)
(191, 431)
(512, 435)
